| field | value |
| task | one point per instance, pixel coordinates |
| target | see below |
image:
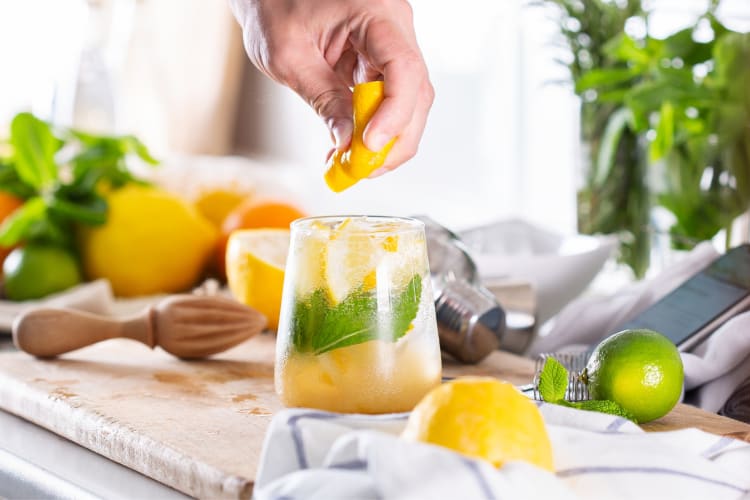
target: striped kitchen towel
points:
(310, 454)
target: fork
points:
(575, 363)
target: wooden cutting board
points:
(197, 426)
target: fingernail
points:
(376, 141)
(337, 136)
(377, 173)
(341, 135)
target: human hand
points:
(322, 48)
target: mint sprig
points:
(58, 172)
(553, 382)
(318, 326)
(603, 406)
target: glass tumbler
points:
(357, 330)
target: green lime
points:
(641, 370)
(36, 270)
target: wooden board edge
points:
(169, 466)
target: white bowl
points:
(559, 267)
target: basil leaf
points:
(16, 227)
(553, 381)
(34, 148)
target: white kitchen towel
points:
(712, 371)
(95, 297)
(319, 455)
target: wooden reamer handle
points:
(49, 332)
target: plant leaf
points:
(664, 139)
(307, 319)
(603, 406)
(597, 78)
(133, 145)
(319, 326)
(617, 124)
(623, 48)
(34, 148)
(553, 381)
(91, 211)
(17, 226)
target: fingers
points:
(390, 50)
(408, 141)
(346, 66)
(320, 85)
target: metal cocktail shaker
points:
(471, 323)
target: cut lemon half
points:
(357, 258)
(256, 260)
(351, 259)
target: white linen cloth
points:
(712, 371)
(95, 297)
(310, 454)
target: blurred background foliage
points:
(665, 122)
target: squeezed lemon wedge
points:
(346, 168)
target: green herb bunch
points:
(615, 196)
(60, 173)
(667, 122)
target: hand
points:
(321, 48)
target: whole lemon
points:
(641, 370)
(215, 204)
(152, 242)
(484, 418)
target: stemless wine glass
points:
(357, 330)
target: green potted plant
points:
(667, 121)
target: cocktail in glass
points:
(357, 331)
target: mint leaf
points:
(34, 148)
(17, 226)
(319, 327)
(91, 210)
(353, 321)
(307, 319)
(405, 307)
(603, 406)
(553, 381)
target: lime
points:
(641, 370)
(37, 270)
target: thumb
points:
(318, 84)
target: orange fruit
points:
(254, 213)
(346, 168)
(8, 205)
